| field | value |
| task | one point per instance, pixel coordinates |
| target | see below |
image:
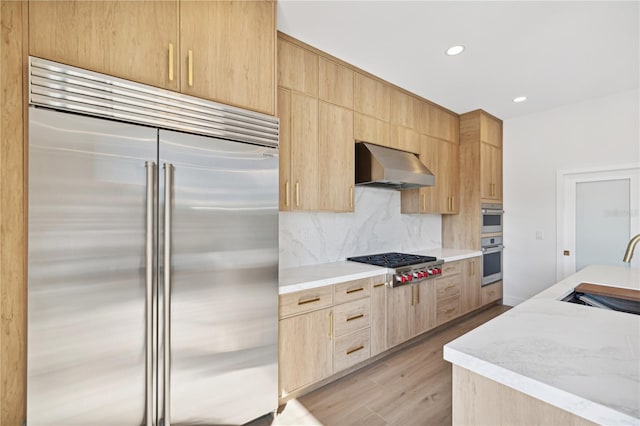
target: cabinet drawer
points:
(351, 349)
(448, 286)
(352, 290)
(306, 300)
(451, 268)
(491, 292)
(351, 316)
(448, 309)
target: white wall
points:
(376, 226)
(599, 132)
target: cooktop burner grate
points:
(392, 260)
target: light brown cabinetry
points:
(306, 349)
(371, 97)
(471, 284)
(405, 109)
(369, 129)
(335, 83)
(297, 68)
(378, 318)
(491, 293)
(405, 139)
(441, 158)
(410, 311)
(304, 184)
(439, 123)
(480, 163)
(186, 46)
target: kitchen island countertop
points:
(581, 359)
(312, 276)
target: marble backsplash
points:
(376, 226)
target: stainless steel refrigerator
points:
(153, 253)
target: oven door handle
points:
(492, 212)
(492, 249)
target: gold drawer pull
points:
(304, 302)
(355, 318)
(378, 285)
(287, 201)
(359, 348)
(491, 293)
(190, 63)
(449, 286)
(170, 61)
(355, 290)
(448, 311)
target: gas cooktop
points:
(392, 260)
(408, 268)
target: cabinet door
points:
(284, 113)
(335, 83)
(438, 123)
(304, 152)
(449, 193)
(127, 39)
(405, 139)
(487, 175)
(379, 318)
(490, 130)
(425, 306)
(371, 97)
(297, 68)
(405, 109)
(335, 158)
(233, 52)
(400, 314)
(471, 285)
(306, 349)
(369, 129)
(497, 169)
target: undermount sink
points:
(604, 297)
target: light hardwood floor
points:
(408, 387)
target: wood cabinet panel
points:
(306, 300)
(490, 130)
(336, 162)
(304, 152)
(335, 83)
(425, 304)
(353, 290)
(305, 349)
(438, 123)
(284, 113)
(448, 309)
(405, 109)
(405, 139)
(448, 286)
(352, 349)
(471, 284)
(378, 318)
(490, 172)
(351, 316)
(233, 45)
(371, 97)
(400, 315)
(492, 292)
(297, 68)
(451, 268)
(369, 129)
(126, 39)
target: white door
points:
(597, 215)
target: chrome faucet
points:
(630, 247)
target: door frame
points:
(566, 183)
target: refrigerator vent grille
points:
(67, 88)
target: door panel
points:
(224, 279)
(86, 340)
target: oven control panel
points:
(415, 273)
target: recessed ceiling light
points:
(455, 50)
(519, 99)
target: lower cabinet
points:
(491, 293)
(410, 311)
(378, 318)
(471, 284)
(306, 349)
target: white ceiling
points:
(554, 53)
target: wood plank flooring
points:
(409, 387)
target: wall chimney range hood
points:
(383, 167)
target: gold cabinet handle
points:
(424, 202)
(351, 198)
(287, 197)
(448, 311)
(378, 285)
(304, 302)
(330, 325)
(355, 317)
(297, 194)
(359, 348)
(170, 61)
(411, 296)
(190, 65)
(449, 286)
(355, 290)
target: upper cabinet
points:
(129, 39)
(405, 109)
(227, 52)
(439, 123)
(222, 51)
(297, 68)
(371, 97)
(335, 83)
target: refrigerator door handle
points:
(149, 280)
(168, 204)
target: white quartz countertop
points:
(581, 359)
(312, 276)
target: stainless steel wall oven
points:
(491, 218)
(491, 259)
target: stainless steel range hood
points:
(390, 168)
